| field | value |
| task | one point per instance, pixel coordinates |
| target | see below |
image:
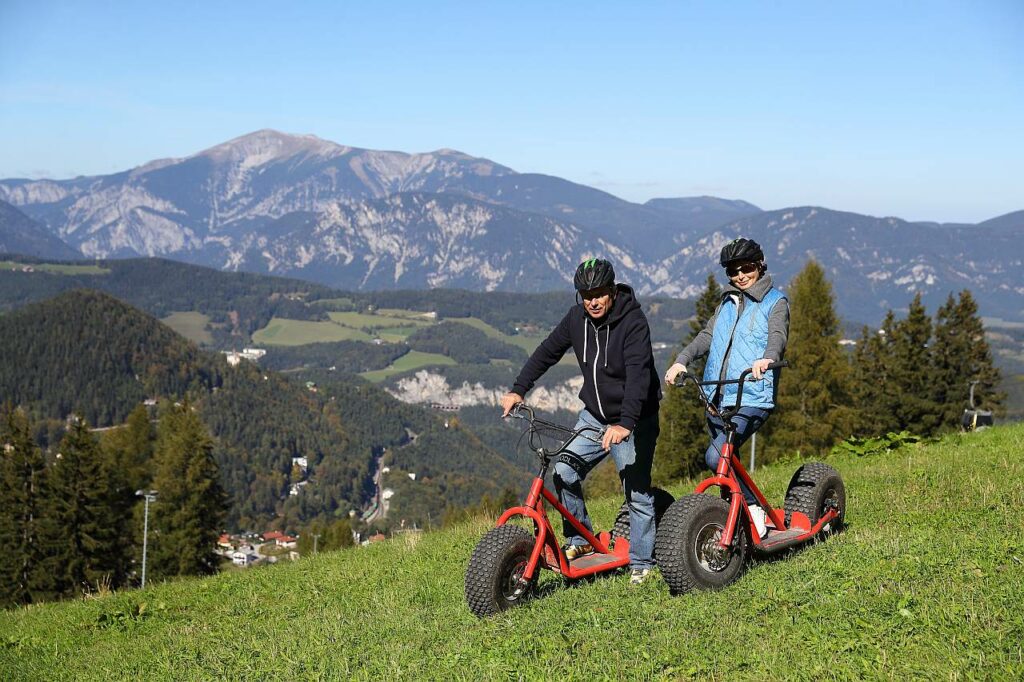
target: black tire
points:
(494, 569)
(662, 501)
(686, 542)
(814, 488)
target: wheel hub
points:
(515, 586)
(710, 554)
(831, 502)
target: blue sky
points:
(889, 108)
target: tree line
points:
(911, 374)
(71, 521)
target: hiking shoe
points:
(576, 551)
(758, 515)
(638, 575)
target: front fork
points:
(726, 483)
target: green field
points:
(927, 582)
(368, 321)
(341, 327)
(191, 325)
(334, 302)
(414, 359)
(56, 268)
(528, 343)
(284, 332)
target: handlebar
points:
(743, 375)
(526, 413)
(727, 413)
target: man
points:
(621, 389)
(749, 329)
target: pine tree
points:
(684, 438)
(82, 530)
(130, 448)
(873, 394)
(22, 494)
(911, 367)
(189, 511)
(960, 356)
(813, 407)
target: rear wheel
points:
(662, 501)
(493, 577)
(814, 489)
(689, 555)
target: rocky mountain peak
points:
(263, 146)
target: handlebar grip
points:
(778, 365)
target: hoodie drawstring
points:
(585, 334)
(607, 342)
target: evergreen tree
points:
(910, 372)
(22, 479)
(814, 409)
(960, 356)
(82, 530)
(130, 448)
(874, 396)
(186, 518)
(679, 452)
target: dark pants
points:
(747, 421)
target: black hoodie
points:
(620, 384)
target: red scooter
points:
(506, 563)
(703, 540)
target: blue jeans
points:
(747, 421)
(633, 459)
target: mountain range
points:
(354, 218)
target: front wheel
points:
(689, 555)
(493, 577)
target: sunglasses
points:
(746, 269)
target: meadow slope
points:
(926, 582)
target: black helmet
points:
(741, 249)
(594, 273)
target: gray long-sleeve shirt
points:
(778, 324)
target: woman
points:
(748, 330)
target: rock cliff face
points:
(355, 218)
(427, 387)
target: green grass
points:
(395, 334)
(528, 343)
(285, 332)
(368, 321)
(414, 359)
(334, 302)
(56, 268)
(927, 582)
(191, 325)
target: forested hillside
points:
(85, 352)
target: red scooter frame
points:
(546, 551)
(730, 472)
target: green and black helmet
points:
(594, 273)
(741, 249)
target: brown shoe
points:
(576, 551)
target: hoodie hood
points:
(625, 303)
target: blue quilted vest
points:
(749, 337)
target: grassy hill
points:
(926, 583)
